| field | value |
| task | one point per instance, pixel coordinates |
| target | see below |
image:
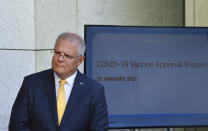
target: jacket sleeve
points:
(99, 121)
(19, 119)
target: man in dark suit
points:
(61, 98)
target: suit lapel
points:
(75, 95)
(49, 85)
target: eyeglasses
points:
(59, 54)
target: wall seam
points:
(76, 15)
(184, 13)
(194, 12)
(35, 31)
(162, 12)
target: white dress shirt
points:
(68, 86)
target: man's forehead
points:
(66, 41)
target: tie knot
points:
(62, 82)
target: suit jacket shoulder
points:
(39, 75)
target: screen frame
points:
(132, 121)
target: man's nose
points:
(61, 57)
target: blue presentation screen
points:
(153, 76)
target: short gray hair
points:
(72, 37)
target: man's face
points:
(65, 59)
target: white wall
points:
(196, 13)
(16, 33)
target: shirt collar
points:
(69, 80)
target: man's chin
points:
(58, 70)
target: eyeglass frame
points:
(58, 54)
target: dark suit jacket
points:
(35, 107)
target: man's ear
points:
(81, 59)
